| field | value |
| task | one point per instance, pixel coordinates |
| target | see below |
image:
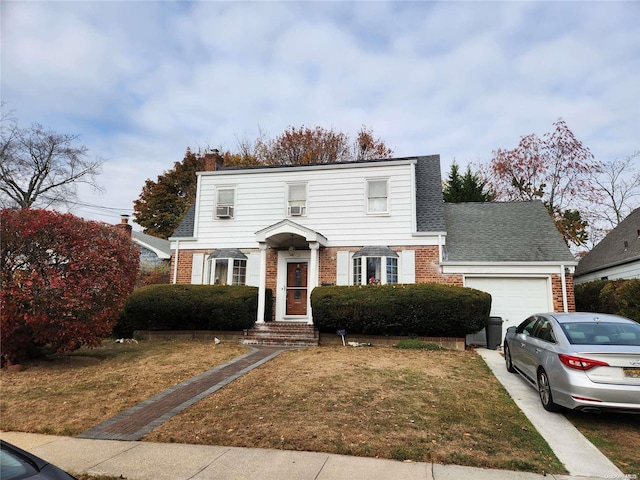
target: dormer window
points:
(296, 199)
(377, 196)
(225, 202)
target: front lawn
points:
(409, 405)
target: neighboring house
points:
(295, 228)
(154, 252)
(616, 256)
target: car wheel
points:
(507, 359)
(544, 389)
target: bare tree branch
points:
(39, 166)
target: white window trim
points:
(230, 267)
(368, 182)
(305, 207)
(383, 270)
(219, 204)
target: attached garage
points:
(513, 251)
(514, 298)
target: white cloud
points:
(141, 81)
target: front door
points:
(296, 303)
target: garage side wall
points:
(556, 289)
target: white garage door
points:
(514, 299)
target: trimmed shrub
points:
(621, 297)
(588, 296)
(191, 307)
(426, 309)
(628, 299)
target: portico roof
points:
(281, 233)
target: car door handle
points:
(538, 350)
(521, 345)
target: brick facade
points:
(427, 271)
(556, 290)
(427, 265)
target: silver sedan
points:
(581, 361)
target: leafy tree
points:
(163, 203)
(465, 188)
(555, 169)
(64, 281)
(367, 147)
(42, 167)
(302, 146)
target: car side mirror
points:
(511, 329)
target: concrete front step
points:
(282, 333)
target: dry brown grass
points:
(376, 402)
(427, 406)
(616, 435)
(66, 395)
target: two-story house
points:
(294, 228)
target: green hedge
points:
(191, 307)
(426, 309)
(621, 297)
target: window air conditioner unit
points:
(296, 211)
(224, 212)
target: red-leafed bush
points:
(63, 281)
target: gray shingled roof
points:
(185, 229)
(154, 243)
(503, 232)
(228, 253)
(429, 203)
(375, 251)
(621, 245)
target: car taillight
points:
(580, 363)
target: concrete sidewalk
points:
(162, 461)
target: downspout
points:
(563, 277)
(175, 262)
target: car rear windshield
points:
(602, 333)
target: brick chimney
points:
(124, 224)
(213, 161)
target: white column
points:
(313, 277)
(565, 306)
(262, 283)
(175, 262)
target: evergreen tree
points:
(464, 188)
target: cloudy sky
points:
(142, 81)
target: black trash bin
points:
(494, 332)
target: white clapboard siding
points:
(336, 206)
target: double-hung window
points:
(225, 202)
(296, 199)
(377, 196)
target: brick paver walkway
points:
(134, 423)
